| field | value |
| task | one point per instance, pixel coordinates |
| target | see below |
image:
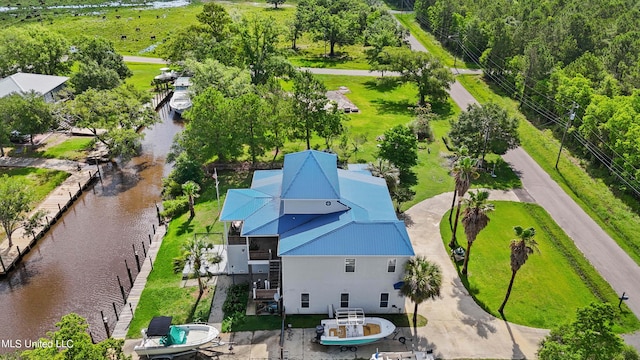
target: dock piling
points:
(105, 322)
(19, 254)
(124, 296)
(2, 263)
(149, 239)
(144, 250)
(128, 272)
(135, 254)
(154, 228)
(115, 310)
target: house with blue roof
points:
(318, 237)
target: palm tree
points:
(386, 170)
(463, 171)
(192, 190)
(521, 248)
(195, 252)
(474, 219)
(422, 281)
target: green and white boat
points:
(162, 338)
(351, 327)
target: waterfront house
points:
(22, 83)
(318, 237)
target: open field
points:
(559, 271)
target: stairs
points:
(274, 273)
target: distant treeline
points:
(555, 56)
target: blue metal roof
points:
(353, 238)
(241, 203)
(310, 175)
(368, 227)
(361, 168)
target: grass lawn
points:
(615, 216)
(71, 149)
(549, 287)
(143, 75)
(164, 293)
(39, 181)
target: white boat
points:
(351, 327)
(403, 355)
(166, 75)
(181, 99)
(162, 338)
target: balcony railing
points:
(237, 240)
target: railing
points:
(259, 254)
(237, 240)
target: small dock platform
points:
(160, 98)
(53, 206)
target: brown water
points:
(74, 268)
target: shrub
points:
(175, 207)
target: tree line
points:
(555, 56)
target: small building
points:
(22, 83)
(318, 237)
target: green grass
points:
(429, 41)
(559, 271)
(71, 149)
(163, 293)
(143, 75)
(610, 212)
(40, 181)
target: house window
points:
(350, 265)
(304, 301)
(384, 300)
(344, 300)
(391, 265)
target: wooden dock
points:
(129, 308)
(53, 206)
(160, 98)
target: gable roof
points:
(367, 227)
(23, 83)
(310, 167)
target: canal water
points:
(74, 267)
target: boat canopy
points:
(159, 326)
(350, 316)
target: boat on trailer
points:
(403, 355)
(162, 338)
(351, 327)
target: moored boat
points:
(351, 327)
(181, 99)
(163, 338)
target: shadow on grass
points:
(498, 175)
(308, 59)
(185, 227)
(383, 84)
(384, 106)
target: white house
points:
(317, 236)
(22, 83)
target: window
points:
(344, 300)
(304, 301)
(384, 300)
(391, 265)
(350, 265)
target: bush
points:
(236, 301)
(176, 207)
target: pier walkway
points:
(53, 206)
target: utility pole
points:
(572, 116)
